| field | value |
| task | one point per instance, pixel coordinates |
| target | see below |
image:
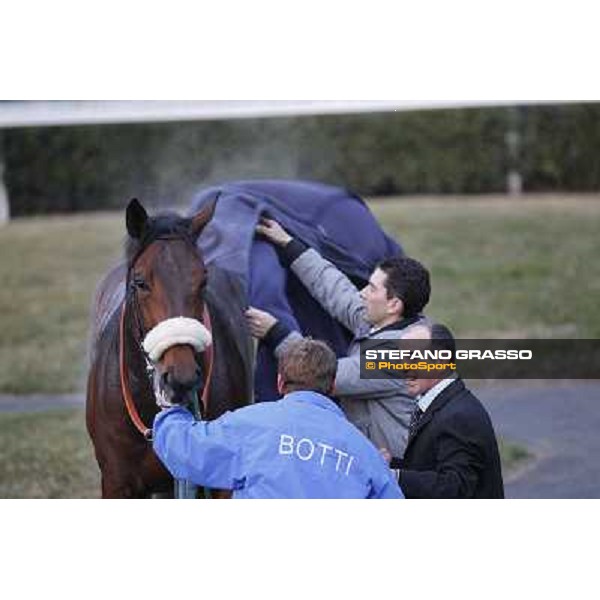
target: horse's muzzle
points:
(178, 387)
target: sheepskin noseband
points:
(179, 330)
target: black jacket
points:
(453, 453)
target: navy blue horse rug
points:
(335, 222)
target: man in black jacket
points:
(452, 450)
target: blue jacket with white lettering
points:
(301, 446)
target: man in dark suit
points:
(452, 450)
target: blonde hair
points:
(308, 365)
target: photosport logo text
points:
(482, 359)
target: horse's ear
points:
(203, 217)
(136, 218)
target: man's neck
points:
(385, 322)
(427, 397)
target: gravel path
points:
(559, 423)
(40, 402)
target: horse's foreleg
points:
(220, 494)
(113, 487)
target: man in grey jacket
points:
(385, 308)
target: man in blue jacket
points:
(301, 446)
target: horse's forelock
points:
(163, 225)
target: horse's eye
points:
(140, 283)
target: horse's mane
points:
(162, 225)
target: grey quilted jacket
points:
(381, 409)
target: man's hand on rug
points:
(259, 322)
(273, 231)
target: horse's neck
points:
(108, 300)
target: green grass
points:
(522, 268)
(512, 456)
(47, 455)
(519, 268)
(49, 269)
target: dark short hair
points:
(442, 338)
(408, 280)
(308, 365)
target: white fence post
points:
(4, 205)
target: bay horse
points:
(163, 287)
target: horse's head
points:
(165, 285)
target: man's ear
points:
(136, 218)
(280, 384)
(200, 221)
(395, 305)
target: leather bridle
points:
(207, 355)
